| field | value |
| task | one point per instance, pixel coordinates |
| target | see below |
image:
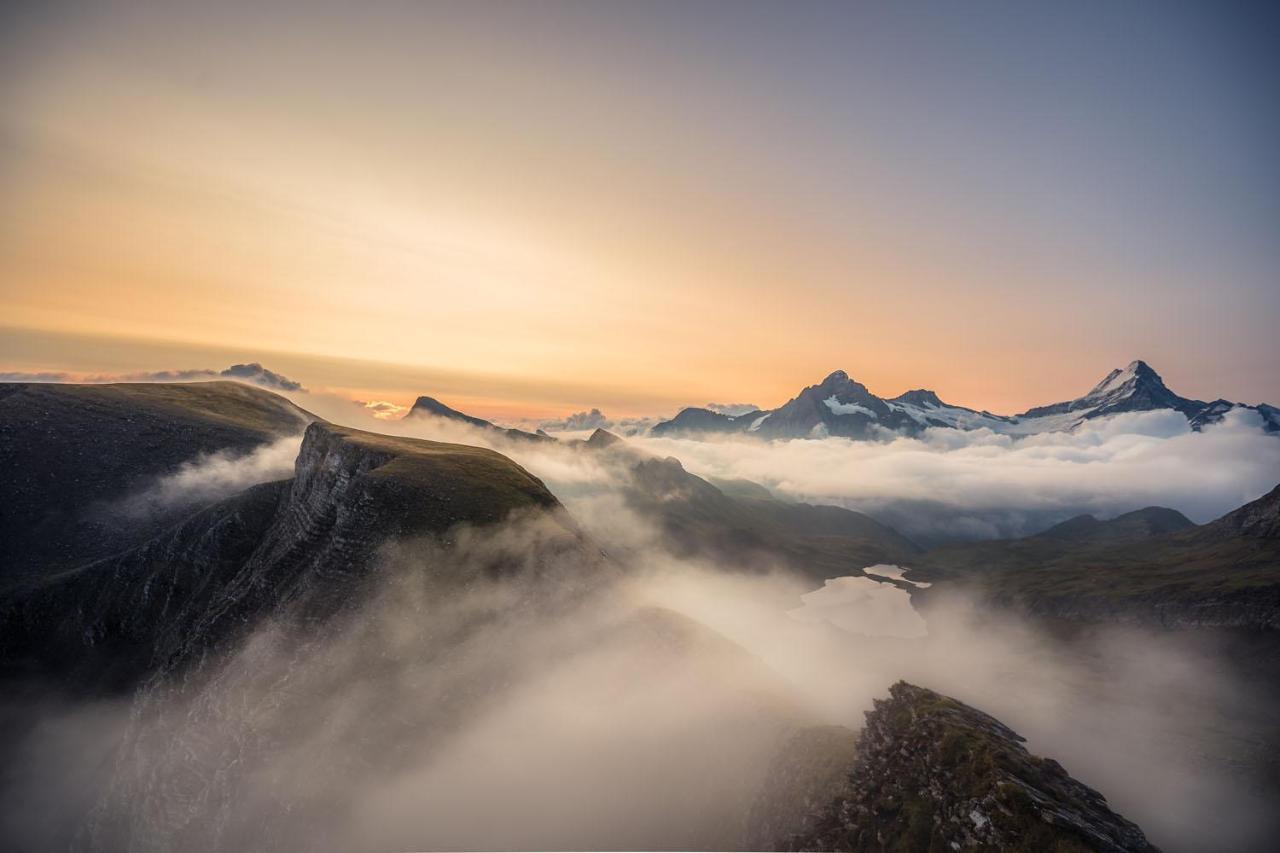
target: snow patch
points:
(848, 408)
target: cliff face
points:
(308, 544)
(931, 773)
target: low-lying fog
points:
(643, 713)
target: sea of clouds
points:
(477, 718)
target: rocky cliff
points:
(307, 543)
(931, 773)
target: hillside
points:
(1131, 569)
(741, 525)
(69, 450)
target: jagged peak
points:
(837, 381)
(1136, 372)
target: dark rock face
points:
(932, 773)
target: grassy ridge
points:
(67, 450)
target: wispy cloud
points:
(954, 484)
(251, 372)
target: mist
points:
(210, 477)
(638, 702)
(632, 704)
(951, 484)
(945, 485)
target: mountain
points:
(1137, 388)
(430, 407)
(308, 541)
(68, 452)
(696, 420)
(1146, 567)
(839, 406)
(1139, 524)
(741, 524)
(932, 773)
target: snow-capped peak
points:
(1127, 379)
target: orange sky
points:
(531, 224)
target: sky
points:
(532, 208)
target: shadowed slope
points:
(1222, 574)
(309, 540)
(742, 525)
(67, 449)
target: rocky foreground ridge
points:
(931, 773)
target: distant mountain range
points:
(840, 406)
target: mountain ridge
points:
(840, 406)
(1223, 574)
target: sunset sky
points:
(533, 208)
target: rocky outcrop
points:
(932, 773)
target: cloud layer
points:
(978, 484)
(210, 478)
(489, 717)
(250, 372)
